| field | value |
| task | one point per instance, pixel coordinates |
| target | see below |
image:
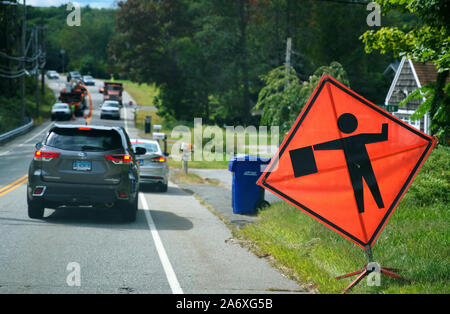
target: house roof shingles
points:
(426, 72)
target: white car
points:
(154, 168)
(61, 111)
(52, 74)
(110, 109)
(88, 80)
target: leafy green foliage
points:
(423, 44)
(429, 40)
(279, 98)
(208, 56)
(85, 46)
(283, 97)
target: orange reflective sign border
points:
(346, 162)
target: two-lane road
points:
(175, 246)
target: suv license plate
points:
(82, 165)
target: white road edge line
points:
(168, 269)
(170, 273)
(42, 131)
(125, 118)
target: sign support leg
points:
(369, 268)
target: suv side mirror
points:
(38, 146)
(166, 154)
(140, 151)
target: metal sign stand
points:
(369, 268)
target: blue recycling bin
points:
(247, 196)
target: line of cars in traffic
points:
(112, 94)
(86, 79)
(78, 166)
(110, 109)
(95, 166)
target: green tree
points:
(283, 97)
(428, 40)
(151, 53)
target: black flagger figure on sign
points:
(356, 156)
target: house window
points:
(407, 118)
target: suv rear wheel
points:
(128, 210)
(163, 187)
(35, 210)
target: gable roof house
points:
(409, 76)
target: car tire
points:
(35, 210)
(164, 187)
(128, 210)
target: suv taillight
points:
(119, 159)
(40, 155)
(159, 159)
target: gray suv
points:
(80, 165)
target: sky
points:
(92, 3)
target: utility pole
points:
(44, 52)
(24, 32)
(62, 52)
(288, 60)
(10, 88)
(36, 68)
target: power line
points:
(38, 60)
(347, 2)
(21, 59)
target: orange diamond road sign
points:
(346, 162)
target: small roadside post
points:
(186, 151)
(165, 145)
(148, 124)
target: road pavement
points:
(176, 245)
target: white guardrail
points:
(20, 130)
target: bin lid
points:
(246, 159)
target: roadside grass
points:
(210, 159)
(416, 240)
(192, 178)
(141, 115)
(202, 164)
(45, 105)
(144, 95)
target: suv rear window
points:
(149, 147)
(113, 88)
(84, 140)
(70, 97)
